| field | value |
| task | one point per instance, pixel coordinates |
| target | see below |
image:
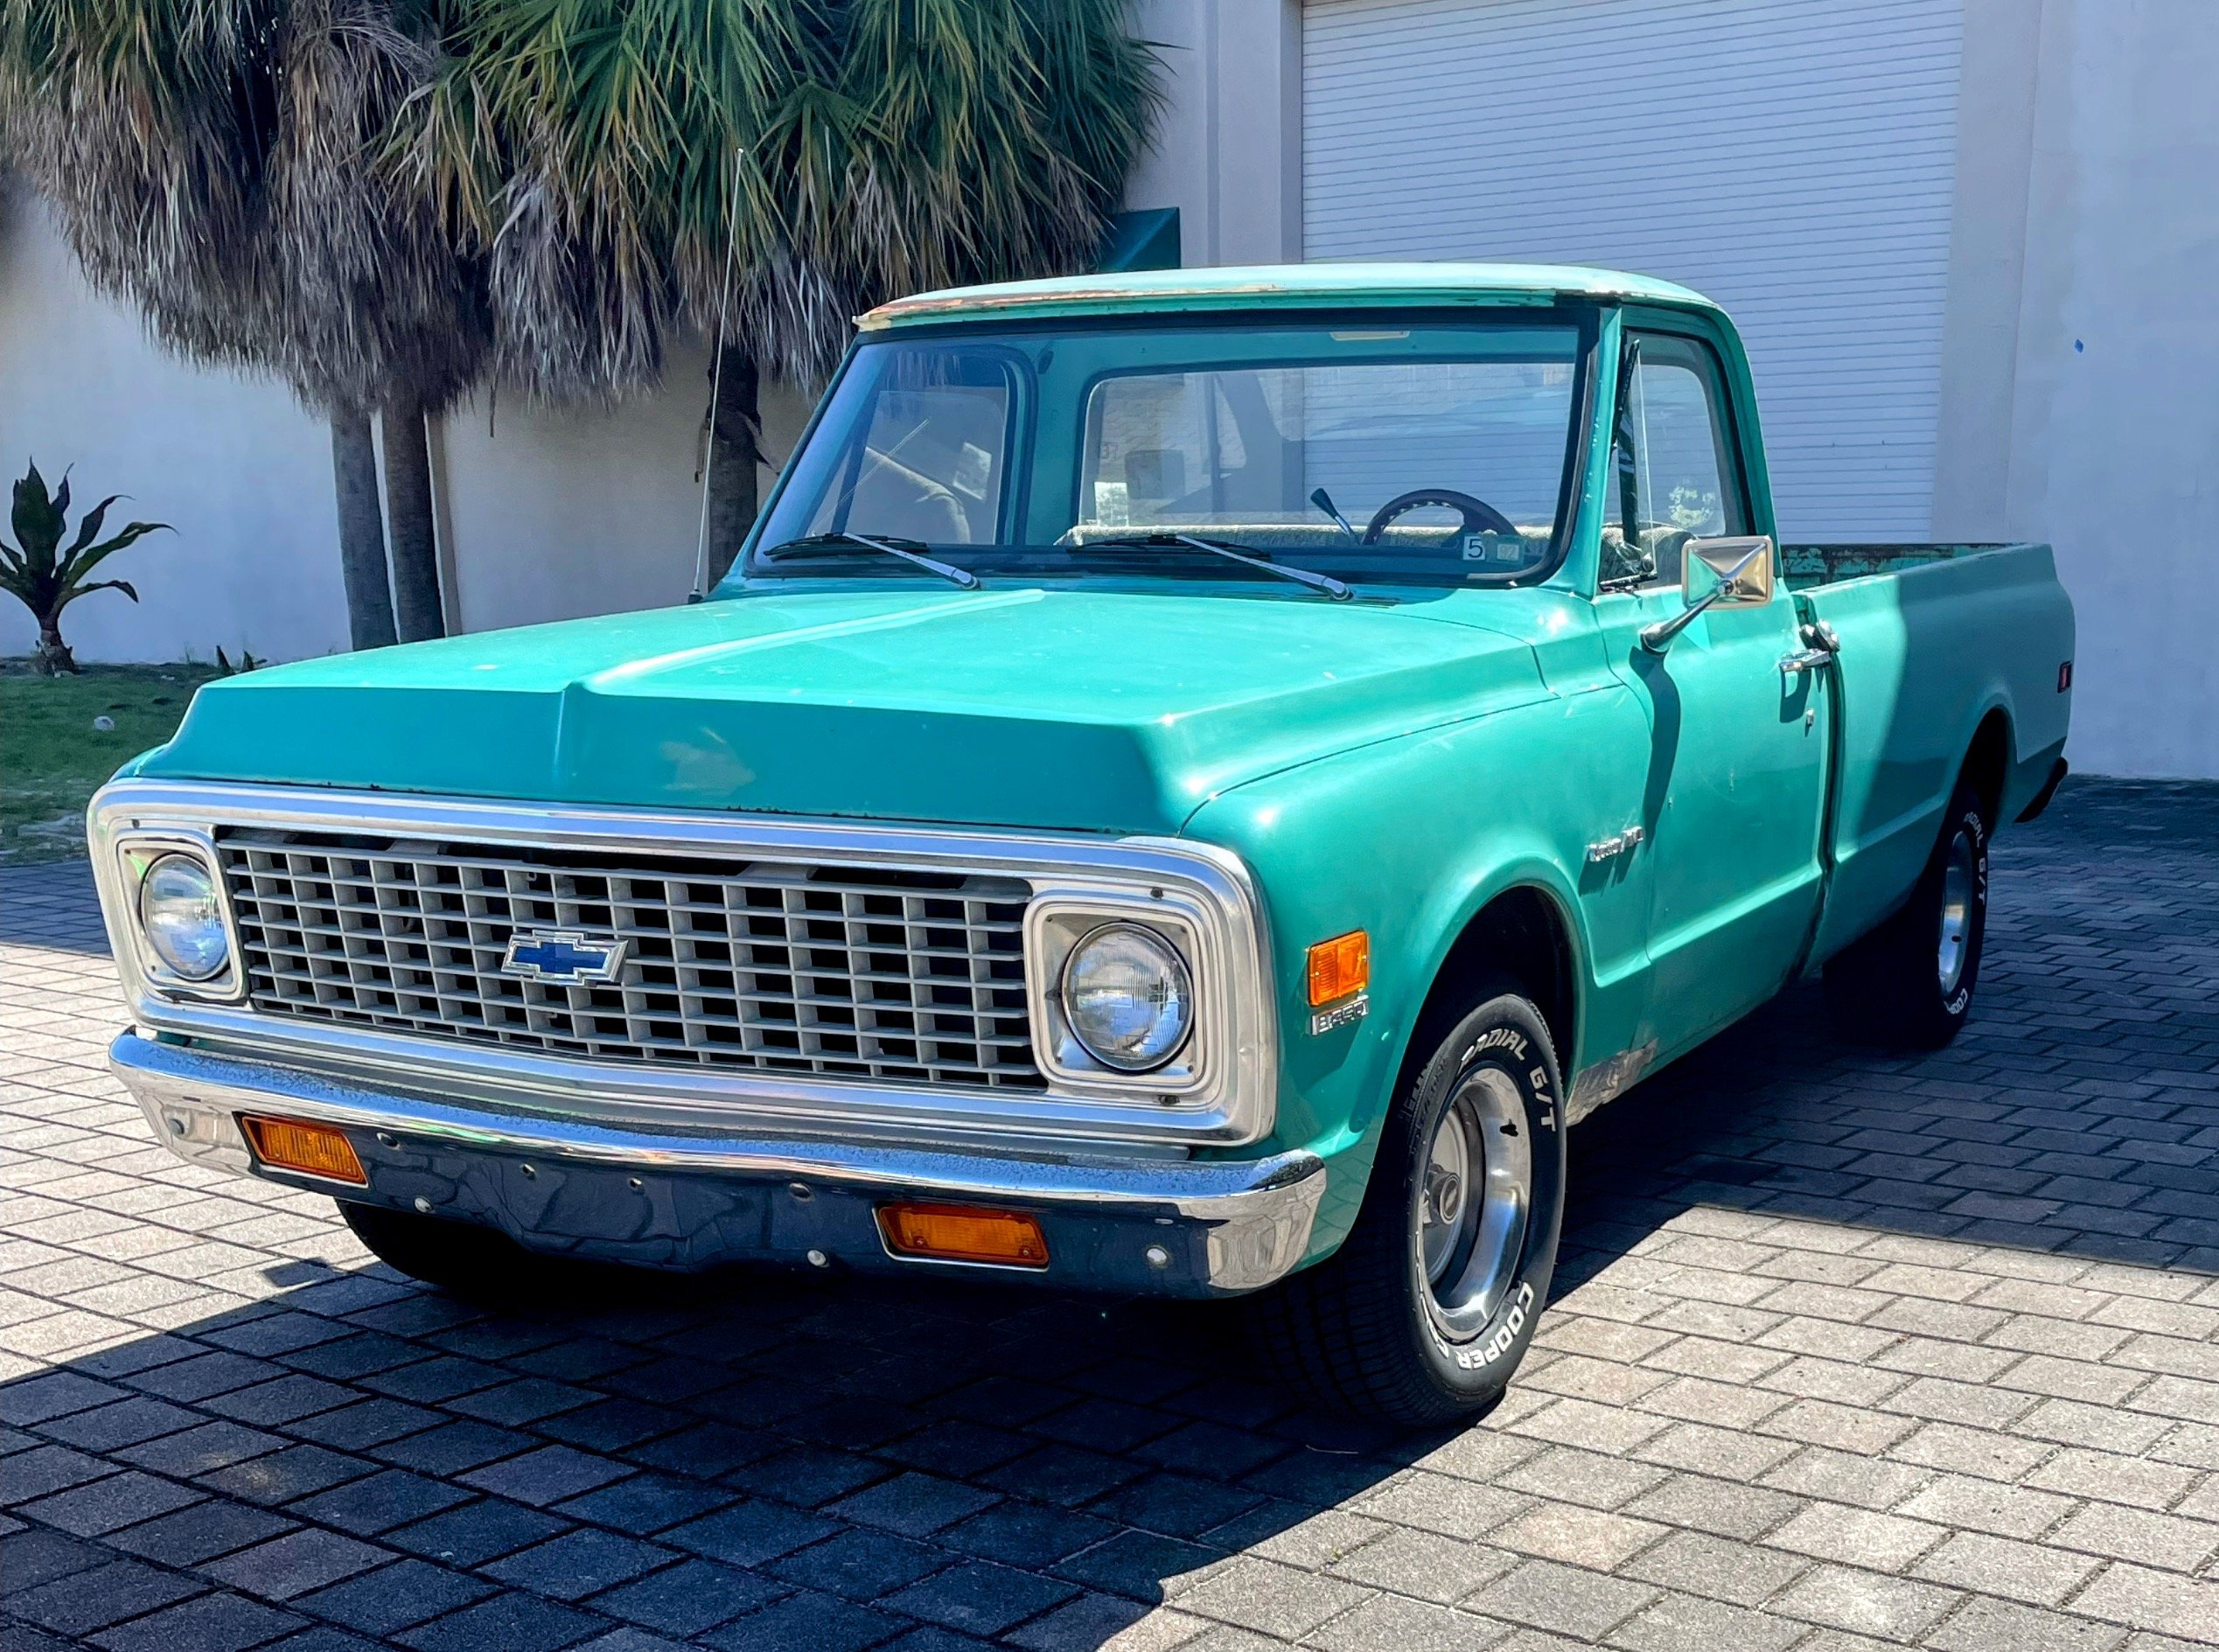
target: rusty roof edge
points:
(956, 305)
(1327, 286)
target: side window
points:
(1674, 473)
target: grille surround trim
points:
(1231, 1103)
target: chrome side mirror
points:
(1724, 573)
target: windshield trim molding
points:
(1583, 314)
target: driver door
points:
(1736, 777)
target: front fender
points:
(1409, 839)
(1466, 889)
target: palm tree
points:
(215, 162)
(607, 156)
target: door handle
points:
(1821, 647)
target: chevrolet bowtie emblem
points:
(568, 956)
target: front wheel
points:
(1909, 985)
(1427, 1307)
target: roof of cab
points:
(1280, 286)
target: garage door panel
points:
(1792, 158)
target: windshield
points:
(1438, 452)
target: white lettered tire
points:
(1427, 1307)
(1909, 985)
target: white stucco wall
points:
(554, 512)
(238, 467)
(2115, 408)
(545, 513)
(1228, 147)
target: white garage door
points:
(1790, 158)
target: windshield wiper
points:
(890, 545)
(1233, 551)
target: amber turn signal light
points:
(314, 1150)
(1340, 967)
(964, 1233)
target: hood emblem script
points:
(567, 956)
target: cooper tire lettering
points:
(1504, 1338)
(1371, 1328)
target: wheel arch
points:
(1526, 929)
(1989, 759)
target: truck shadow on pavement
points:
(763, 1462)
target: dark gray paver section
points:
(1848, 1352)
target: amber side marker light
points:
(314, 1150)
(964, 1233)
(1340, 967)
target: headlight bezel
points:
(138, 853)
(1148, 936)
(1059, 921)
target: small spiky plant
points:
(46, 576)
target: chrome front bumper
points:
(1171, 1227)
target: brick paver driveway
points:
(1847, 1352)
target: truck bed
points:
(1809, 565)
(1938, 642)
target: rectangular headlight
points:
(175, 915)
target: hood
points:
(1060, 707)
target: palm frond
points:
(353, 194)
(590, 150)
(217, 163)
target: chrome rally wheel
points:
(1960, 880)
(1431, 1301)
(1475, 1198)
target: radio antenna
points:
(716, 375)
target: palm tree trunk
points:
(354, 476)
(735, 450)
(407, 503)
(54, 656)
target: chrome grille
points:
(769, 966)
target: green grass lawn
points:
(52, 759)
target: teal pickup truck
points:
(1196, 782)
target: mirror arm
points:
(1657, 637)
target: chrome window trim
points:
(1233, 1104)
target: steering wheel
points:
(1479, 516)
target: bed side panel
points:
(1926, 653)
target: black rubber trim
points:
(2033, 811)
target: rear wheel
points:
(1909, 985)
(1429, 1305)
